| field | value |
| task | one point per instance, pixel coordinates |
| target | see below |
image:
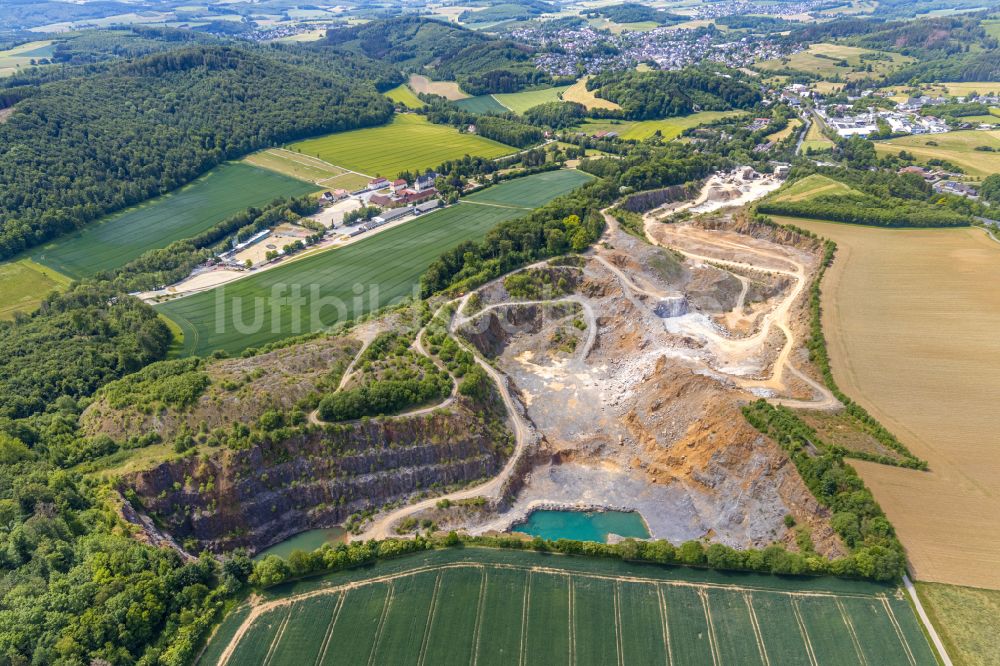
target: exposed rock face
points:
(262, 495)
(671, 307)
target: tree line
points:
(78, 149)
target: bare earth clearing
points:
(911, 317)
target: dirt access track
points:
(624, 390)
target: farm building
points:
(427, 206)
(390, 215)
(377, 183)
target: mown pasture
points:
(832, 60)
(117, 239)
(21, 56)
(522, 101)
(402, 94)
(811, 186)
(447, 89)
(23, 285)
(578, 93)
(409, 142)
(669, 128)
(910, 317)
(815, 139)
(956, 147)
(793, 125)
(387, 265)
(967, 619)
(308, 168)
(483, 606)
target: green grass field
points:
(669, 128)
(117, 239)
(967, 619)
(811, 186)
(388, 265)
(484, 606)
(21, 56)
(823, 60)
(956, 147)
(402, 94)
(522, 101)
(23, 285)
(408, 142)
(815, 139)
(481, 104)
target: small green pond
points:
(583, 525)
(306, 541)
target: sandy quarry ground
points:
(640, 410)
(912, 320)
(333, 216)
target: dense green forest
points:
(481, 64)
(664, 94)
(633, 12)
(82, 147)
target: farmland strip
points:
(756, 629)
(381, 623)
(524, 619)
(329, 629)
(277, 637)
(899, 631)
(422, 654)
(850, 628)
(712, 640)
(618, 624)
(570, 591)
(666, 624)
(479, 617)
(805, 634)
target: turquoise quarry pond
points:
(583, 525)
(307, 541)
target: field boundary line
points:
(524, 617)
(850, 627)
(665, 625)
(422, 653)
(712, 640)
(805, 633)
(329, 630)
(619, 642)
(494, 97)
(494, 205)
(277, 637)
(381, 623)
(571, 612)
(931, 631)
(899, 631)
(756, 629)
(476, 632)
(258, 609)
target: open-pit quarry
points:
(625, 378)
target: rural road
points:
(779, 317)
(382, 526)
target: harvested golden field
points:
(793, 125)
(578, 93)
(447, 89)
(967, 619)
(956, 147)
(912, 319)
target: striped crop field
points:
(522, 101)
(481, 104)
(402, 94)
(388, 265)
(115, 240)
(409, 142)
(482, 606)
